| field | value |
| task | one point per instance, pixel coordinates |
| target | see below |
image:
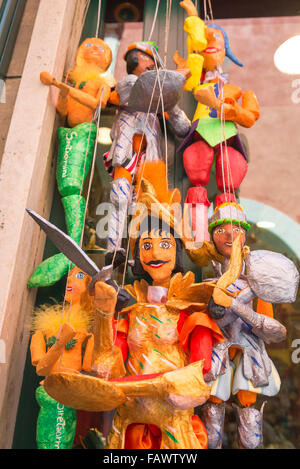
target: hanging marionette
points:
(136, 132)
(148, 360)
(240, 365)
(88, 86)
(213, 131)
(62, 340)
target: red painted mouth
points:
(157, 264)
(69, 288)
(211, 50)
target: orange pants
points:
(143, 436)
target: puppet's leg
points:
(231, 168)
(212, 415)
(250, 421)
(197, 159)
(121, 198)
(56, 423)
(74, 160)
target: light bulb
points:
(265, 224)
(104, 136)
(287, 56)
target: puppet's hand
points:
(215, 311)
(179, 61)
(206, 95)
(105, 298)
(189, 7)
(229, 111)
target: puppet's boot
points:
(198, 208)
(212, 415)
(56, 424)
(225, 198)
(197, 160)
(120, 197)
(51, 270)
(250, 422)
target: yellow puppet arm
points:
(196, 40)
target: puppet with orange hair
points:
(88, 86)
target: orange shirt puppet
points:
(213, 132)
(148, 363)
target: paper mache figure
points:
(136, 132)
(213, 133)
(241, 366)
(88, 86)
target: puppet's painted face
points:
(214, 54)
(94, 51)
(77, 285)
(224, 235)
(158, 254)
(145, 63)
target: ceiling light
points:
(265, 224)
(104, 136)
(287, 56)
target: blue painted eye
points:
(101, 49)
(217, 36)
(88, 44)
(80, 275)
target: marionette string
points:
(129, 201)
(154, 20)
(74, 230)
(93, 163)
(77, 211)
(137, 161)
(98, 18)
(167, 28)
(161, 99)
(223, 143)
(82, 183)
